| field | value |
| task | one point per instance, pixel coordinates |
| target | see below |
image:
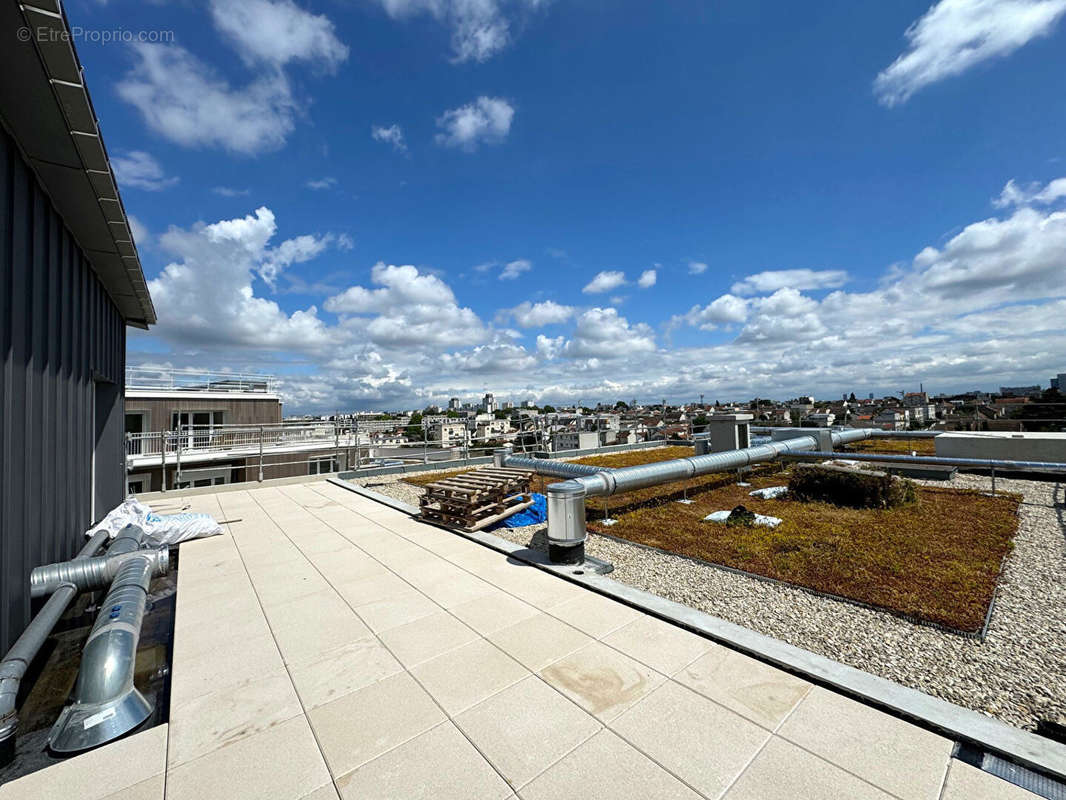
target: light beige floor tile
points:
(232, 713)
(493, 612)
(394, 611)
(970, 783)
(196, 608)
(783, 771)
(460, 678)
(343, 670)
(702, 743)
(664, 647)
(622, 774)
(327, 792)
(870, 744)
(529, 583)
(277, 586)
(601, 680)
(283, 763)
(539, 640)
(437, 765)
(526, 728)
(373, 588)
(347, 566)
(308, 627)
(362, 725)
(594, 614)
(151, 789)
(232, 663)
(451, 592)
(115, 767)
(427, 638)
(762, 693)
(228, 629)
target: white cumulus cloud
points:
(605, 281)
(770, 281)
(1033, 194)
(139, 170)
(487, 120)
(185, 101)
(276, 32)
(955, 35)
(392, 134)
(647, 279)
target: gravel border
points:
(1017, 674)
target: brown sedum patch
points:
(895, 447)
(937, 560)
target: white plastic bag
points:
(160, 530)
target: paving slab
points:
(327, 646)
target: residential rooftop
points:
(330, 646)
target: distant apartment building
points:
(454, 404)
(575, 440)
(1020, 391)
(1059, 382)
(488, 404)
(191, 429)
(821, 419)
(446, 432)
(891, 419)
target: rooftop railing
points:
(189, 380)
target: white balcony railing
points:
(190, 380)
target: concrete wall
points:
(62, 345)
(1003, 445)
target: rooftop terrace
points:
(328, 645)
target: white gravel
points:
(1017, 674)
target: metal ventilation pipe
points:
(554, 469)
(25, 650)
(90, 573)
(106, 703)
(566, 500)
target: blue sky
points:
(391, 202)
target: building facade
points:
(70, 283)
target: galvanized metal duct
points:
(25, 650)
(566, 500)
(90, 573)
(554, 469)
(938, 461)
(106, 703)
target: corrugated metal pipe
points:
(106, 703)
(566, 500)
(25, 650)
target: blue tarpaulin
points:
(538, 512)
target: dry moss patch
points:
(937, 560)
(900, 447)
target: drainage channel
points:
(1032, 781)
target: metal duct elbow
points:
(87, 574)
(106, 703)
(25, 649)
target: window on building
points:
(321, 466)
(197, 424)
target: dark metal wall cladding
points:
(62, 343)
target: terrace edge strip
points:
(940, 716)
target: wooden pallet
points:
(474, 500)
